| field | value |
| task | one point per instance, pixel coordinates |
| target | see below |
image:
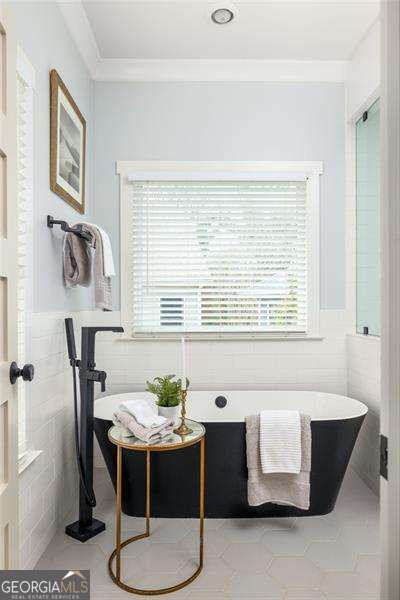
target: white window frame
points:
(194, 170)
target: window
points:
(233, 252)
(367, 213)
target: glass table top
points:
(171, 442)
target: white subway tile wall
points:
(363, 380)
(47, 489)
(248, 364)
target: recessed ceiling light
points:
(221, 16)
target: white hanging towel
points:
(109, 268)
(108, 259)
(280, 441)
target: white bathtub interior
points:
(240, 403)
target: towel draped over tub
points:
(279, 488)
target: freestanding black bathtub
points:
(336, 422)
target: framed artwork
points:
(67, 145)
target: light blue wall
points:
(42, 34)
(173, 121)
(226, 121)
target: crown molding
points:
(218, 70)
(109, 69)
(79, 27)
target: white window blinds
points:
(218, 256)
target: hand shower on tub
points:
(86, 527)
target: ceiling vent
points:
(222, 16)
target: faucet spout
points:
(115, 328)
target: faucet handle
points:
(102, 380)
(98, 376)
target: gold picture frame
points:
(67, 145)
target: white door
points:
(390, 334)
(8, 296)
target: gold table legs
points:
(120, 545)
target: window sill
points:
(26, 459)
(369, 337)
(223, 337)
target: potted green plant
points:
(168, 392)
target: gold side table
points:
(172, 442)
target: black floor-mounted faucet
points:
(86, 527)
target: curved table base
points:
(139, 591)
(116, 577)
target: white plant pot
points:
(170, 412)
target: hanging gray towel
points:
(279, 488)
(77, 261)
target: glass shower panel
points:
(367, 216)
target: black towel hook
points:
(77, 230)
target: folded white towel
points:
(108, 259)
(280, 441)
(144, 413)
(151, 435)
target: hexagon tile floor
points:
(316, 558)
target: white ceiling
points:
(266, 30)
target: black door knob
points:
(27, 372)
